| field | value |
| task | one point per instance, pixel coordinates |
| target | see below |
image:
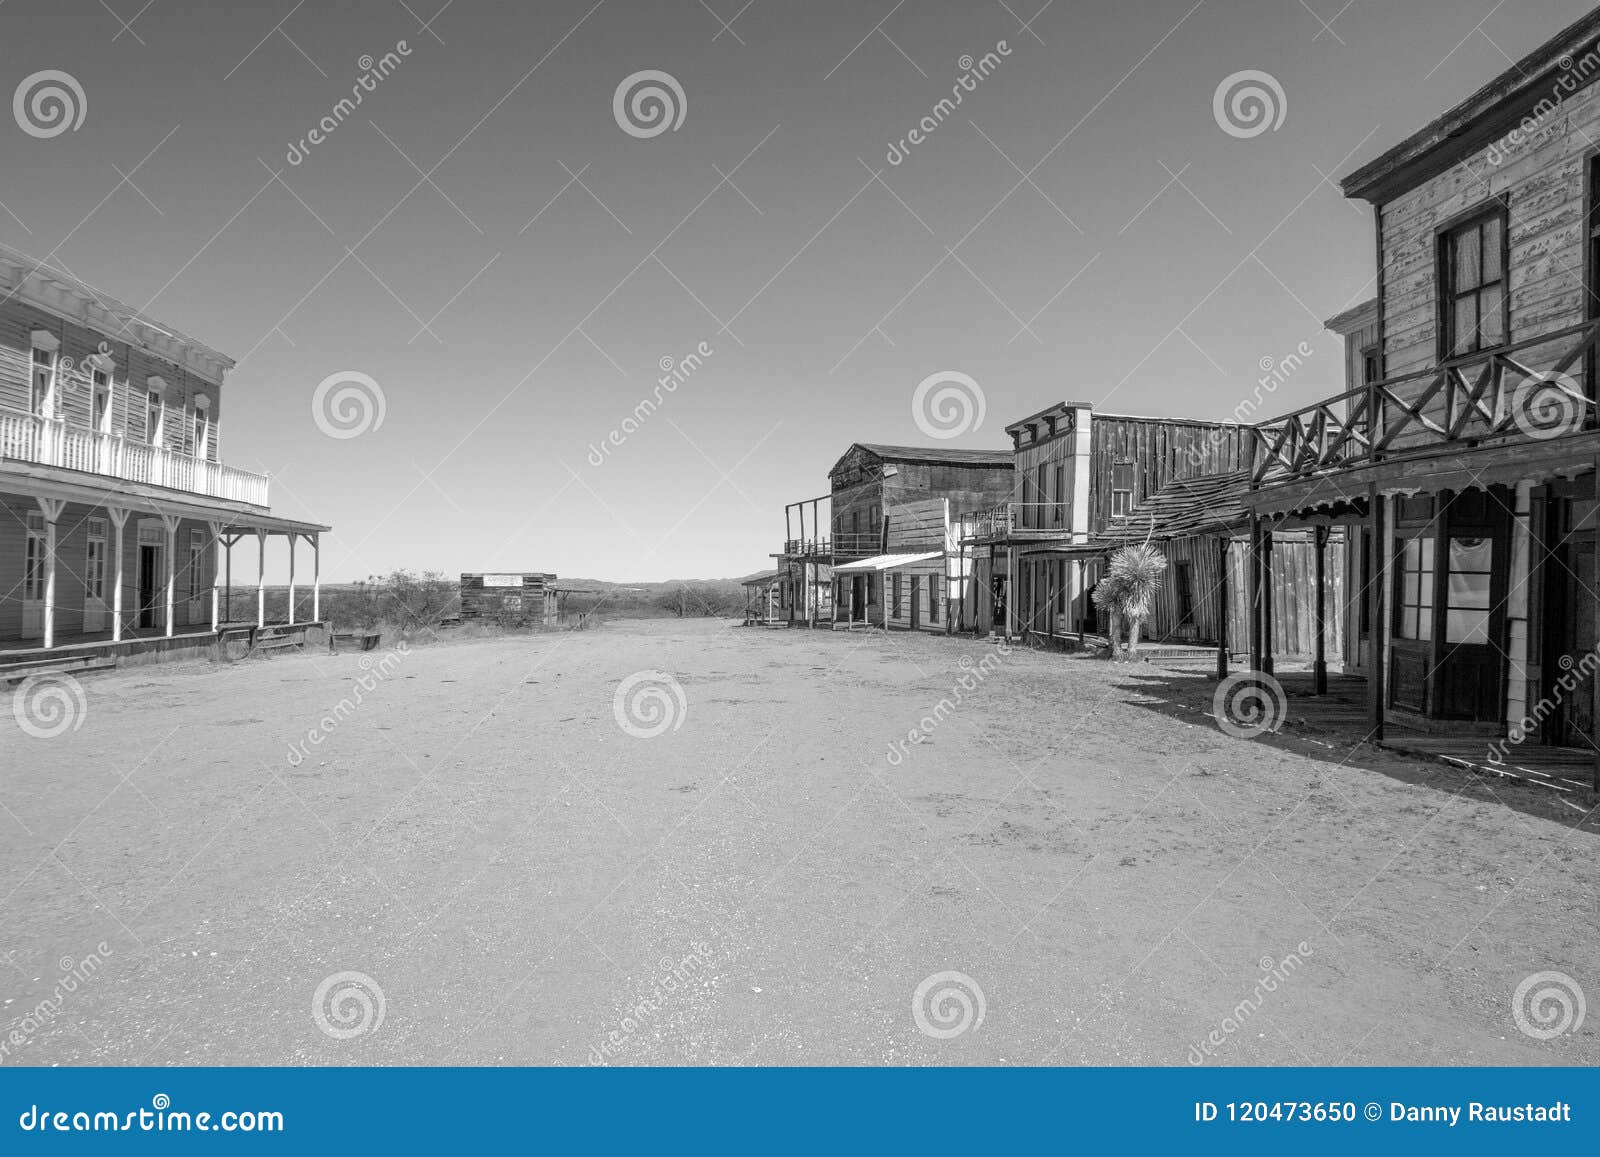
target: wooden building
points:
(763, 601)
(1470, 459)
(920, 580)
(117, 514)
(885, 500)
(1076, 471)
(516, 599)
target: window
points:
(1121, 487)
(100, 417)
(1041, 494)
(1466, 607)
(197, 554)
(894, 610)
(94, 576)
(1472, 285)
(1185, 587)
(1061, 495)
(1365, 596)
(201, 432)
(1369, 365)
(33, 566)
(153, 411)
(1413, 610)
(44, 372)
(933, 598)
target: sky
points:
(486, 263)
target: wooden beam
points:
(1319, 670)
(1379, 633)
(1222, 609)
(1267, 601)
(1594, 586)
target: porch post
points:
(1223, 607)
(1268, 642)
(216, 573)
(170, 522)
(1013, 585)
(1319, 669)
(293, 539)
(1379, 634)
(261, 579)
(119, 523)
(1254, 569)
(227, 585)
(316, 578)
(51, 508)
(1594, 578)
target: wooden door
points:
(916, 604)
(1568, 670)
(149, 585)
(33, 579)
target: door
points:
(33, 579)
(96, 615)
(1568, 669)
(916, 605)
(198, 585)
(858, 598)
(150, 600)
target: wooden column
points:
(1254, 569)
(1268, 603)
(51, 509)
(261, 579)
(1319, 669)
(316, 579)
(1594, 580)
(170, 523)
(1222, 608)
(293, 538)
(227, 585)
(216, 574)
(119, 529)
(1379, 620)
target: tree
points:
(1127, 592)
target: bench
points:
(361, 640)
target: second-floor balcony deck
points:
(839, 547)
(1531, 389)
(1013, 518)
(51, 442)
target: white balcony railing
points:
(48, 442)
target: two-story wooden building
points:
(114, 499)
(1466, 460)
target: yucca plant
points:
(1127, 592)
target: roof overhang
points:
(882, 562)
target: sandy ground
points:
(763, 882)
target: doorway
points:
(149, 585)
(1567, 670)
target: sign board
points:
(502, 580)
(511, 603)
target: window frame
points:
(94, 561)
(1445, 292)
(1122, 507)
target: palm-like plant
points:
(1128, 591)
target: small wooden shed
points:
(511, 599)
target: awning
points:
(882, 562)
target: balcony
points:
(840, 546)
(48, 442)
(1460, 402)
(1014, 517)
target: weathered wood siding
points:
(532, 601)
(1045, 505)
(1160, 450)
(967, 486)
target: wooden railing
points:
(1014, 516)
(1463, 399)
(49, 442)
(839, 546)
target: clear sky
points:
(514, 305)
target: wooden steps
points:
(75, 665)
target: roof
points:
(761, 576)
(885, 562)
(52, 288)
(948, 455)
(1356, 317)
(1483, 116)
(1205, 504)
